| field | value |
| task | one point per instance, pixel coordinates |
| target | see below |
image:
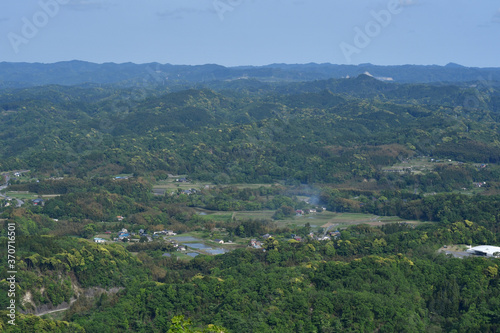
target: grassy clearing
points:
(226, 217)
(25, 195)
(22, 195)
(319, 220)
(258, 214)
(104, 236)
(182, 256)
(424, 164)
(251, 186)
(171, 184)
(471, 191)
(195, 234)
(49, 196)
(208, 239)
(175, 186)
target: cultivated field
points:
(316, 220)
(25, 195)
(172, 184)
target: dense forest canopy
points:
(336, 130)
(334, 195)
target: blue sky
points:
(252, 32)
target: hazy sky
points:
(252, 32)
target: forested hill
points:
(332, 199)
(292, 131)
(129, 74)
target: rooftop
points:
(485, 250)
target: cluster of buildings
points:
(186, 192)
(257, 244)
(123, 234)
(164, 232)
(326, 237)
(189, 191)
(177, 246)
(300, 212)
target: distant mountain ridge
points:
(130, 74)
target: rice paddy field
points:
(316, 220)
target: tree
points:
(284, 211)
(89, 230)
(181, 325)
(270, 244)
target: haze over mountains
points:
(129, 74)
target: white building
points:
(485, 250)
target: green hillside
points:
(249, 205)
